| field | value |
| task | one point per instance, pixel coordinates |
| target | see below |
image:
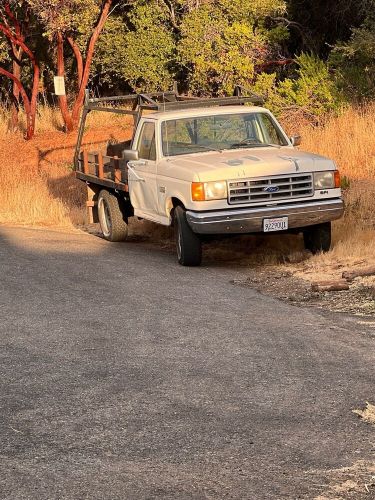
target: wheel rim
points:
(105, 217)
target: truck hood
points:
(243, 163)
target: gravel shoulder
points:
(292, 284)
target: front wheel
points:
(188, 245)
(318, 238)
(112, 223)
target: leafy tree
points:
(223, 42)
(110, 54)
(210, 46)
(75, 22)
(13, 17)
(149, 49)
(139, 50)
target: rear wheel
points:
(112, 223)
(188, 244)
(318, 238)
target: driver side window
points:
(146, 142)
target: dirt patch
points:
(350, 483)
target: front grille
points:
(260, 189)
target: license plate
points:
(276, 224)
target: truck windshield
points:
(218, 132)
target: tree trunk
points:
(90, 53)
(63, 103)
(16, 91)
(25, 99)
(30, 105)
(79, 60)
(30, 130)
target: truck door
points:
(142, 174)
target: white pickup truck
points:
(208, 167)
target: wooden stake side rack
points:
(107, 171)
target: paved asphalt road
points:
(126, 376)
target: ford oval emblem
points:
(271, 189)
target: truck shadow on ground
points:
(242, 250)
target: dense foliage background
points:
(309, 55)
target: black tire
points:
(112, 223)
(188, 244)
(318, 238)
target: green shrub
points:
(312, 89)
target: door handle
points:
(137, 178)
(139, 163)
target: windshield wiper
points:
(209, 148)
(249, 143)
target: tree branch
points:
(17, 41)
(15, 21)
(21, 88)
(79, 59)
(89, 55)
(15, 54)
(279, 62)
(172, 13)
(302, 30)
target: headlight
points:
(324, 180)
(205, 191)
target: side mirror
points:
(130, 155)
(296, 140)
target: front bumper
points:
(250, 220)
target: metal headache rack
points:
(165, 101)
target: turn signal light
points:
(197, 191)
(337, 179)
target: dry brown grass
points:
(349, 140)
(25, 199)
(350, 483)
(367, 413)
(37, 185)
(48, 119)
